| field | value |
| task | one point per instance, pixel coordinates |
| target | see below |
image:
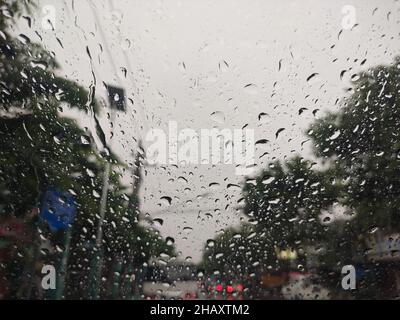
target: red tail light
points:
(239, 287)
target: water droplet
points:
(335, 135)
(268, 180)
(85, 140)
(166, 200)
(263, 117)
(187, 230)
(312, 77)
(278, 132)
(170, 241)
(251, 89)
(158, 222)
(223, 66)
(218, 116)
(24, 39)
(261, 141)
(210, 243)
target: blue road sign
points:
(58, 210)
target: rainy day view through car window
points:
(199, 150)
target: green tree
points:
(283, 204)
(362, 143)
(286, 201)
(359, 145)
(233, 252)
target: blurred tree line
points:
(42, 150)
(291, 204)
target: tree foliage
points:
(357, 148)
(40, 150)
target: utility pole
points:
(97, 262)
(62, 272)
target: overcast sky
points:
(186, 60)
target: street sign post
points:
(59, 211)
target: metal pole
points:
(103, 204)
(115, 291)
(62, 272)
(98, 259)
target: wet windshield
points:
(199, 149)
